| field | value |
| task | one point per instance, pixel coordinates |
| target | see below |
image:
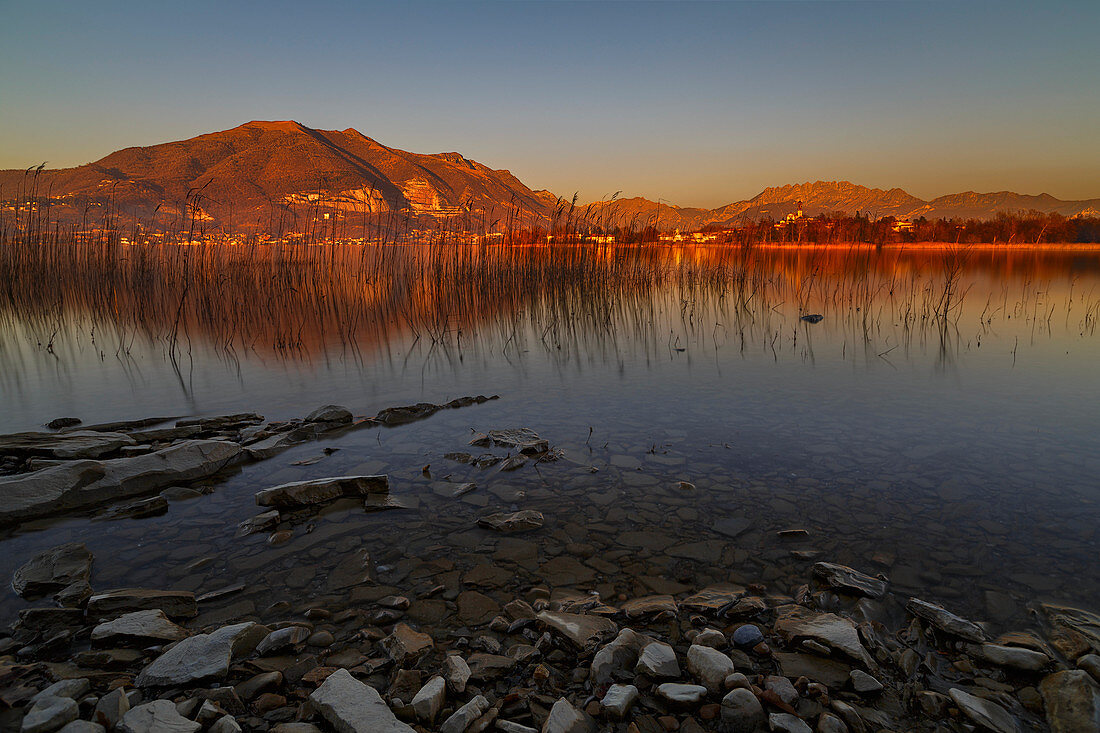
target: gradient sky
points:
(698, 104)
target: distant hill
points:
(259, 173)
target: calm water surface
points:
(940, 425)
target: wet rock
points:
(288, 636)
(521, 521)
(53, 570)
(350, 706)
(741, 711)
(681, 695)
(582, 630)
(114, 603)
(844, 578)
(709, 666)
(273, 445)
(83, 484)
(564, 718)
(1091, 664)
(317, 491)
(49, 713)
(658, 661)
(74, 595)
(429, 700)
(462, 718)
(795, 623)
(829, 672)
(139, 626)
(457, 673)
(151, 507)
(330, 414)
(1072, 701)
(405, 645)
(63, 422)
(618, 700)
(785, 722)
(111, 707)
(649, 605)
(1084, 623)
(747, 635)
(945, 620)
(259, 523)
(71, 445)
(864, 683)
(524, 440)
(158, 716)
(202, 656)
(984, 713)
(619, 654)
(1012, 656)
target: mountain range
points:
(252, 174)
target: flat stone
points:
(489, 666)
(524, 440)
(658, 661)
(158, 716)
(259, 523)
(709, 666)
(429, 701)
(462, 718)
(1012, 656)
(829, 672)
(83, 484)
(1085, 623)
(649, 605)
(406, 645)
(139, 626)
(713, 598)
(564, 718)
(53, 570)
(681, 694)
(150, 507)
(864, 683)
(1071, 700)
(618, 700)
(787, 723)
(71, 688)
(317, 491)
(202, 656)
(114, 603)
(582, 630)
(49, 713)
(475, 609)
(350, 706)
(71, 445)
(944, 620)
(795, 623)
(741, 711)
(847, 580)
(985, 713)
(284, 638)
(732, 526)
(512, 522)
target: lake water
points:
(940, 425)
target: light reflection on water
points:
(951, 446)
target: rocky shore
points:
(844, 652)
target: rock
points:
(53, 570)
(406, 645)
(657, 660)
(844, 578)
(985, 713)
(288, 636)
(1072, 701)
(429, 701)
(1012, 656)
(317, 491)
(457, 673)
(521, 521)
(681, 695)
(713, 638)
(71, 445)
(83, 484)
(259, 523)
(582, 630)
(158, 716)
(747, 635)
(564, 718)
(1091, 664)
(256, 684)
(1085, 623)
(111, 707)
(522, 439)
(350, 706)
(864, 683)
(709, 666)
(795, 623)
(489, 666)
(71, 688)
(811, 318)
(649, 605)
(74, 595)
(82, 726)
(829, 672)
(782, 688)
(475, 609)
(202, 656)
(507, 726)
(151, 507)
(618, 700)
(945, 620)
(713, 598)
(461, 719)
(225, 724)
(63, 422)
(49, 713)
(273, 445)
(741, 711)
(785, 722)
(620, 654)
(330, 414)
(139, 626)
(114, 603)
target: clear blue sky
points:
(695, 103)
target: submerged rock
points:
(113, 603)
(317, 491)
(53, 570)
(845, 579)
(524, 440)
(521, 521)
(944, 620)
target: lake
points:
(939, 425)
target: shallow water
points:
(952, 447)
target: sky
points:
(697, 104)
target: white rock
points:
(461, 719)
(74, 688)
(111, 707)
(282, 638)
(984, 712)
(680, 694)
(158, 716)
(50, 713)
(225, 724)
(658, 660)
(1013, 656)
(457, 673)
(619, 699)
(787, 723)
(709, 666)
(619, 654)
(139, 625)
(349, 706)
(429, 701)
(202, 656)
(564, 718)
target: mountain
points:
(266, 175)
(248, 174)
